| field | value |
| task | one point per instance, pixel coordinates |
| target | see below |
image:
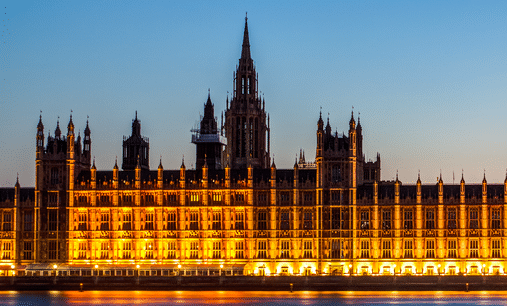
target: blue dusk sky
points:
(428, 78)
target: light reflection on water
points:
(252, 298)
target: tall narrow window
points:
(52, 250)
(336, 251)
(217, 247)
(83, 221)
(127, 247)
(430, 219)
(6, 250)
(104, 221)
(27, 250)
(82, 250)
(285, 249)
(386, 220)
(149, 222)
(52, 220)
(261, 221)
(474, 219)
(148, 250)
(495, 219)
(474, 248)
(307, 249)
(407, 223)
(451, 218)
(217, 221)
(365, 249)
(240, 221)
(127, 221)
(430, 248)
(308, 220)
(243, 85)
(104, 250)
(7, 225)
(262, 250)
(194, 221)
(171, 249)
(335, 218)
(28, 221)
(409, 253)
(386, 248)
(496, 248)
(365, 220)
(194, 250)
(284, 221)
(451, 249)
(239, 249)
(171, 221)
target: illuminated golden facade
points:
(241, 213)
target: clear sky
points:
(428, 77)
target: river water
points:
(251, 298)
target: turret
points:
(273, 174)
(58, 132)
(440, 190)
(352, 136)
(182, 173)
(138, 174)
(40, 138)
(320, 136)
(160, 175)
(419, 189)
(296, 174)
(17, 192)
(250, 176)
(375, 192)
(359, 132)
(462, 189)
(115, 174)
(205, 174)
(70, 159)
(397, 190)
(93, 175)
(484, 189)
(87, 142)
(505, 189)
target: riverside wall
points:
(268, 283)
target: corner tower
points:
(246, 121)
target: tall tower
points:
(207, 140)
(246, 121)
(136, 148)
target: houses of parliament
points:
(237, 213)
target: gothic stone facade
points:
(240, 213)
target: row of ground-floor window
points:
(266, 268)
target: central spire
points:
(245, 52)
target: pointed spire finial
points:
(419, 175)
(245, 52)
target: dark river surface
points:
(252, 298)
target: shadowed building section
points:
(208, 141)
(136, 148)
